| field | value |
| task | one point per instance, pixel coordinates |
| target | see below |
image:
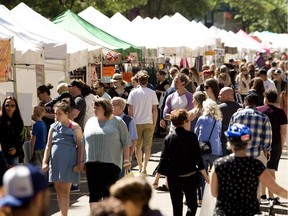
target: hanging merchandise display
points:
(112, 57)
(131, 58)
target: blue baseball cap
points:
(21, 184)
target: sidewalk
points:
(160, 200)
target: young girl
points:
(63, 151)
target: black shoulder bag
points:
(205, 147)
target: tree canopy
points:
(255, 15)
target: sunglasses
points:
(8, 105)
(206, 87)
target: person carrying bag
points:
(205, 147)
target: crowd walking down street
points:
(199, 143)
(160, 199)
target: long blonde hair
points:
(210, 107)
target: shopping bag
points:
(208, 202)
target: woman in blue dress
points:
(62, 155)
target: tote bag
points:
(208, 202)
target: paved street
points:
(160, 200)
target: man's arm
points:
(130, 110)
(267, 138)
(155, 114)
(283, 135)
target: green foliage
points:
(261, 15)
(255, 15)
(191, 9)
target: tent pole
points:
(14, 71)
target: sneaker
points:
(75, 188)
(264, 197)
(275, 200)
(162, 188)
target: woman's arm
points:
(192, 114)
(78, 132)
(45, 165)
(266, 179)
(205, 175)
(214, 183)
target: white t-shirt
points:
(142, 99)
(269, 84)
(179, 102)
(89, 112)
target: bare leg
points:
(139, 157)
(272, 173)
(147, 156)
(63, 196)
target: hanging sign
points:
(5, 61)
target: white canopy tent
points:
(231, 40)
(96, 18)
(162, 34)
(278, 42)
(27, 57)
(77, 50)
(52, 49)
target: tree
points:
(260, 15)
(52, 8)
(255, 15)
(191, 9)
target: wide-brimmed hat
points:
(117, 77)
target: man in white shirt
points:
(143, 108)
(268, 83)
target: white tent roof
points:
(52, 49)
(273, 40)
(77, 49)
(229, 40)
(93, 16)
(25, 51)
(118, 25)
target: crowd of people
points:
(97, 130)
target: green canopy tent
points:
(86, 31)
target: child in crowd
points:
(39, 134)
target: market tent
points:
(86, 31)
(52, 49)
(118, 26)
(25, 51)
(275, 41)
(28, 56)
(144, 32)
(249, 40)
(96, 18)
(77, 49)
